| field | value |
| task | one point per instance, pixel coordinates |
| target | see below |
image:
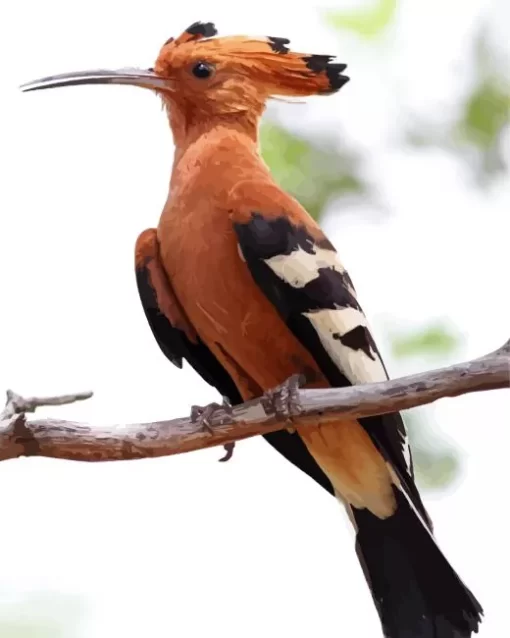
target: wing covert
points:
(299, 271)
(171, 328)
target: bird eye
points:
(202, 70)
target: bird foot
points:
(229, 452)
(228, 447)
(202, 415)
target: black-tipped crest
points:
(196, 31)
(268, 63)
(318, 63)
(322, 63)
(202, 29)
(336, 79)
(279, 44)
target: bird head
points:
(198, 71)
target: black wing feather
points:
(176, 346)
(261, 239)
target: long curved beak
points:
(145, 78)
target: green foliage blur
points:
(368, 22)
(484, 116)
(317, 173)
(436, 462)
(42, 615)
(312, 171)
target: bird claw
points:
(228, 447)
(202, 415)
(229, 452)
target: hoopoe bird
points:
(238, 280)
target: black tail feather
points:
(416, 591)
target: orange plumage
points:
(199, 251)
(241, 282)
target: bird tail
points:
(416, 591)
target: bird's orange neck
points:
(189, 125)
(199, 139)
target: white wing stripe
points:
(357, 366)
(301, 267)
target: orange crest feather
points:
(265, 60)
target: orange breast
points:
(200, 253)
(225, 305)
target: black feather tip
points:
(202, 29)
(334, 71)
(279, 44)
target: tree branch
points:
(16, 404)
(285, 406)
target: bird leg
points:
(202, 415)
(229, 452)
(228, 447)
